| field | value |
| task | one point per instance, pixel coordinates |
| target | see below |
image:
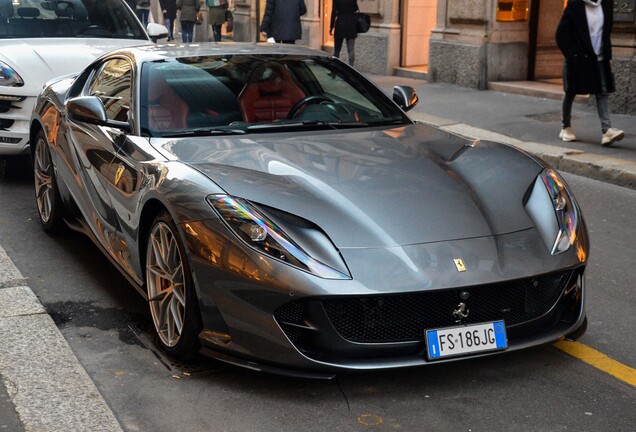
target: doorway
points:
(418, 20)
(545, 62)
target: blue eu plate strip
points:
(500, 334)
(433, 344)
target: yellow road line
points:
(599, 361)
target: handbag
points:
(363, 22)
(229, 18)
(198, 19)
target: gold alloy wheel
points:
(165, 284)
(43, 169)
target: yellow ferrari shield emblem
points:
(459, 263)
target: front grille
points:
(6, 123)
(405, 317)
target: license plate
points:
(469, 339)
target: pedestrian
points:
(169, 11)
(583, 36)
(281, 20)
(189, 10)
(143, 11)
(216, 16)
(343, 20)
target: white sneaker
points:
(611, 136)
(566, 134)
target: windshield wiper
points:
(304, 123)
(203, 132)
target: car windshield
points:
(68, 18)
(258, 93)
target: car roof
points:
(168, 51)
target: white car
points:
(41, 40)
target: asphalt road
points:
(543, 389)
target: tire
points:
(171, 296)
(47, 195)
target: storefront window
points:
(512, 10)
(327, 39)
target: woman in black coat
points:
(583, 36)
(343, 19)
(169, 10)
(281, 20)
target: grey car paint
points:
(365, 187)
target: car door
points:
(94, 148)
(131, 174)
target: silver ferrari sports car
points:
(278, 211)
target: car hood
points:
(374, 188)
(39, 60)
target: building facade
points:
(466, 42)
(513, 40)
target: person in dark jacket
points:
(169, 11)
(189, 10)
(216, 16)
(281, 20)
(583, 36)
(142, 9)
(343, 19)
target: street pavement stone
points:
(18, 301)
(9, 274)
(49, 388)
(9, 420)
(43, 386)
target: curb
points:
(599, 167)
(47, 385)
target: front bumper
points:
(265, 315)
(15, 117)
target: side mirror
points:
(90, 109)
(405, 97)
(157, 31)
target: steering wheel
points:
(313, 99)
(93, 27)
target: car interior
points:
(270, 95)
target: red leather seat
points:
(166, 109)
(270, 94)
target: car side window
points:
(113, 85)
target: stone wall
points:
(372, 53)
(623, 101)
(456, 63)
(506, 61)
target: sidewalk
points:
(43, 386)
(42, 380)
(527, 122)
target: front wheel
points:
(47, 195)
(171, 296)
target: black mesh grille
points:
(404, 317)
(291, 313)
(6, 123)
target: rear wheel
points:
(47, 195)
(171, 296)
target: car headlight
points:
(553, 210)
(262, 234)
(9, 77)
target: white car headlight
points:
(262, 234)
(9, 77)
